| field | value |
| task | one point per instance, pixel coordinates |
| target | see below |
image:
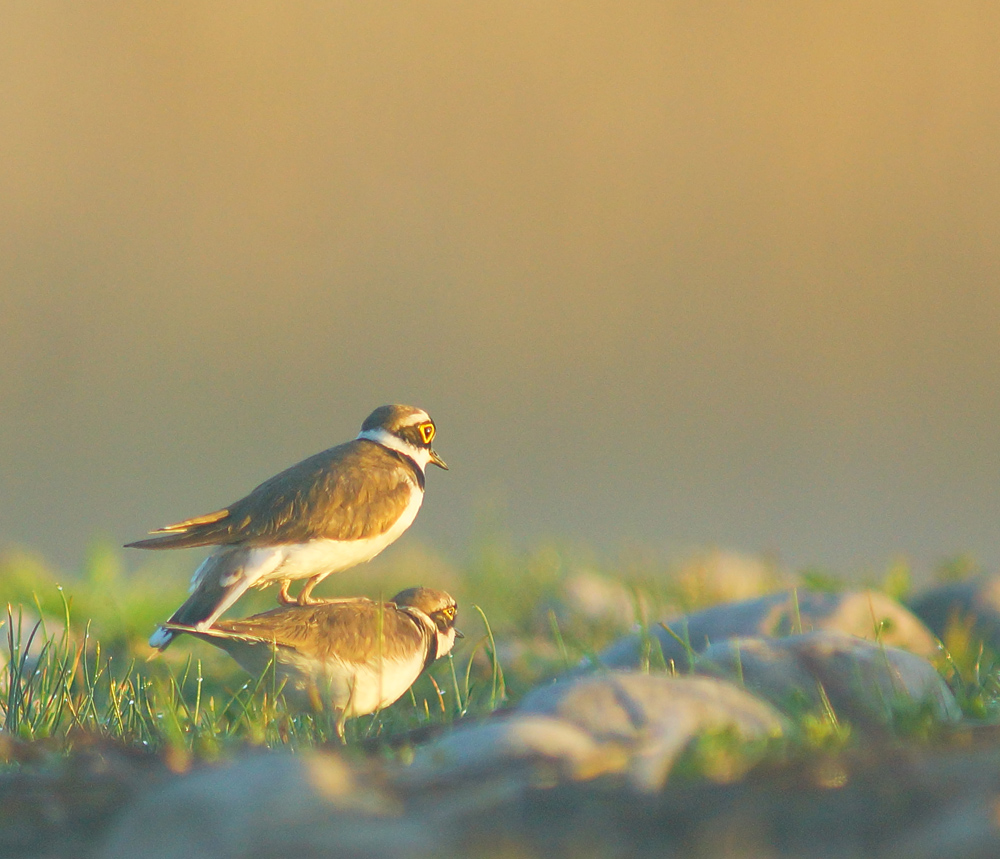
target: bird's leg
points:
(304, 598)
(314, 698)
(285, 598)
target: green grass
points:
(75, 659)
(58, 682)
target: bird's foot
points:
(305, 595)
(334, 600)
(285, 598)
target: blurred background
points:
(666, 275)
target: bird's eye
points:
(426, 432)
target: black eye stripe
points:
(444, 617)
(420, 435)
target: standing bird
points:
(356, 654)
(327, 513)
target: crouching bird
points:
(357, 656)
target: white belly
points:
(323, 557)
(350, 687)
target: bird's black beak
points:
(440, 463)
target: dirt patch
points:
(887, 801)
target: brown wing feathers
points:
(348, 631)
(199, 531)
(311, 499)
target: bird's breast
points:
(357, 688)
(320, 555)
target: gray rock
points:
(524, 747)
(269, 805)
(867, 683)
(623, 706)
(706, 577)
(867, 614)
(630, 723)
(600, 598)
(973, 605)
(653, 717)
(719, 575)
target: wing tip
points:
(193, 522)
(167, 632)
(148, 543)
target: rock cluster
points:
(866, 614)
(582, 765)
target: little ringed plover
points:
(329, 512)
(357, 655)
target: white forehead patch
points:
(418, 417)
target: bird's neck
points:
(445, 642)
(420, 455)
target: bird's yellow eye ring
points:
(426, 432)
